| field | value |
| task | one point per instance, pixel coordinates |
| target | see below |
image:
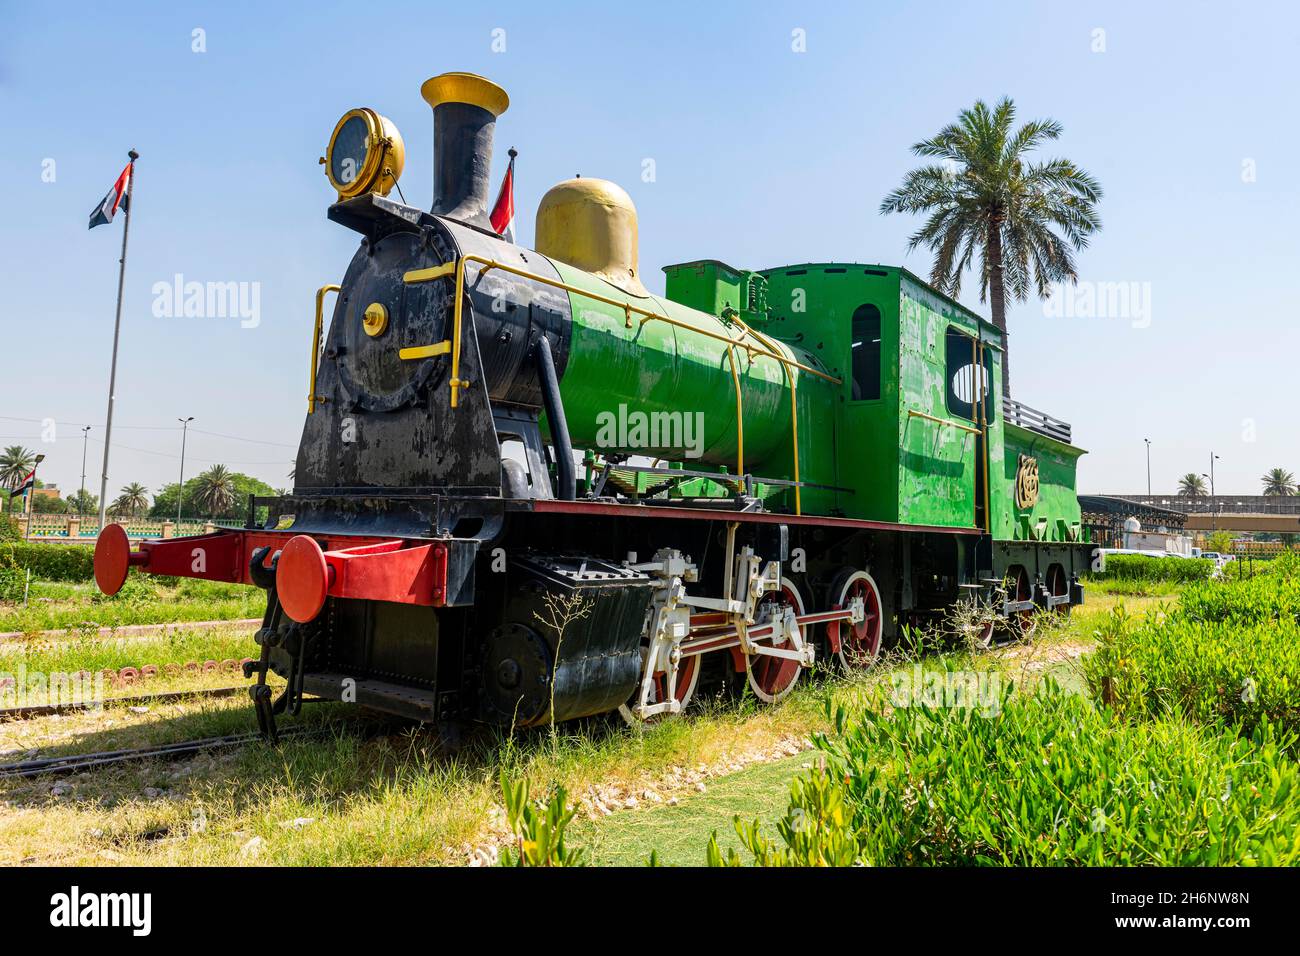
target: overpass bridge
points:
(1259, 513)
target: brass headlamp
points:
(365, 155)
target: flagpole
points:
(117, 331)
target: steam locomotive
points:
(530, 490)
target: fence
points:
(1031, 418)
(53, 527)
(1223, 504)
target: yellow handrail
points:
(770, 351)
(740, 414)
(794, 411)
(912, 412)
(315, 344)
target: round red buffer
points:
(112, 559)
(302, 579)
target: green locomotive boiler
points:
(528, 489)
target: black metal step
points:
(414, 702)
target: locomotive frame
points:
(441, 558)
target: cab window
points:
(964, 379)
(866, 353)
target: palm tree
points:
(215, 491)
(134, 498)
(1279, 482)
(1192, 485)
(983, 196)
(15, 462)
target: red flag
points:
(503, 213)
(26, 485)
(117, 197)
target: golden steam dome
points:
(591, 224)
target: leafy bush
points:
(1050, 780)
(1231, 655)
(539, 829)
(1139, 567)
(8, 529)
(13, 579)
(56, 562)
(1245, 601)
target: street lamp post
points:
(81, 498)
(1148, 441)
(180, 486)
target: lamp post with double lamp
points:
(1148, 441)
(180, 487)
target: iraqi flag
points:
(503, 213)
(26, 486)
(117, 197)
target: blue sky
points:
(762, 156)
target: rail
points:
(1036, 421)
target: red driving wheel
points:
(688, 676)
(1022, 622)
(1058, 586)
(774, 677)
(858, 645)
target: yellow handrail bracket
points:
(312, 397)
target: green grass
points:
(397, 799)
(76, 606)
(401, 799)
(93, 654)
(1139, 567)
(679, 833)
(1097, 585)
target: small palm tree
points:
(1192, 485)
(134, 498)
(1279, 482)
(983, 196)
(215, 491)
(15, 462)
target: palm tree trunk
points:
(998, 297)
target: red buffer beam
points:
(373, 569)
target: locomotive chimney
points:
(465, 109)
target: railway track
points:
(46, 710)
(74, 763)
